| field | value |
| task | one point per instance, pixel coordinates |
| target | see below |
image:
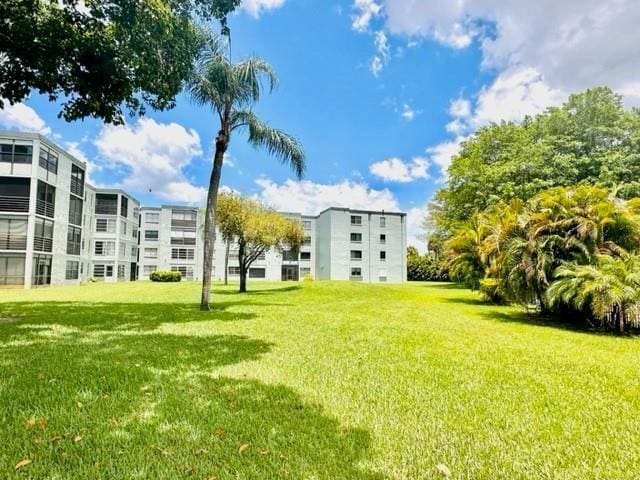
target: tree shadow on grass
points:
(258, 292)
(141, 404)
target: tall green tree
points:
(230, 90)
(101, 56)
(591, 138)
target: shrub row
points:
(165, 276)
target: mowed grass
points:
(310, 381)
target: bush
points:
(428, 267)
(165, 276)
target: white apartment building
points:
(42, 191)
(340, 244)
(56, 229)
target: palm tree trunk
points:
(222, 143)
(243, 268)
(226, 263)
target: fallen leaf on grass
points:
(243, 447)
(163, 451)
(77, 438)
(443, 470)
(219, 432)
(56, 438)
(264, 452)
(23, 463)
(202, 451)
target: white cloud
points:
(408, 113)
(311, 198)
(395, 170)
(153, 155)
(365, 10)
(22, 117)
(382, 53)
(75, 149)
(415, 231)
(257, 7)
(571, 44)
(442, 153)
(460, 107)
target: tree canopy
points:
(591, 138)
(101, 56)
(255, 229)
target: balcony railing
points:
(106, 209)
(13, 242)
(183, 223)
(77, 187)
(183, 241)
(14, 204)
(42, 244)
(45, 209)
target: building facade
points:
(57, 229)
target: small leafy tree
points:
(256, 230)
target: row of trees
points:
(430, 267)
(568, 249)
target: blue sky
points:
(379, 92)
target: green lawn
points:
(311, 381)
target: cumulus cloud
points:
(395, 170)
(442, 153)
(154, 155)
(257, 7)
(22, 117)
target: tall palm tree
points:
(610, 290)
(230, 90)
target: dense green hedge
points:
(165, 276)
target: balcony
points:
(77, 187)
(42, 244)
(10, 241)
(183, 241)
(45, 209)
(106, 209)
(14, 204)
(183, 223)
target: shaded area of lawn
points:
(99, 390)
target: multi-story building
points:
(57, 229)
(171, 239)
(114, 235)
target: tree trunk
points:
(226, 263)
(621, 321)
(222, 142)
(243, 269)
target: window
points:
(305, 256)
(14, 194)
(121, 271)
(134, 233)
(72, 270)
(234, 270)
(77, 180)
(149, 269)
(134, 251)
(98, 271)
(383, 256)
(183, 236)
(306, 241)
(48, 159)
(261, 256)
(184, 215)
(41, 270)
(257, 273)
(289, 256)
(182, 253)
(123, 250)
(104, 248)
(356, 220)
(74, 235)
(43, 237)
(150, 253)
(13, 234)
(124, 206)
(12, 153)
(305, 272)
(306, 224)
(382, 277)
(383, 222)
(356, 238)
(186, 271)
(11, 269)
(152, 217)
(383, 238)
(123, 227)
(356, 254)
(75, 210)
(151, 235)
(356, 272)
(109, 270)
(106, 204)
(105, 225)
(46, 199)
